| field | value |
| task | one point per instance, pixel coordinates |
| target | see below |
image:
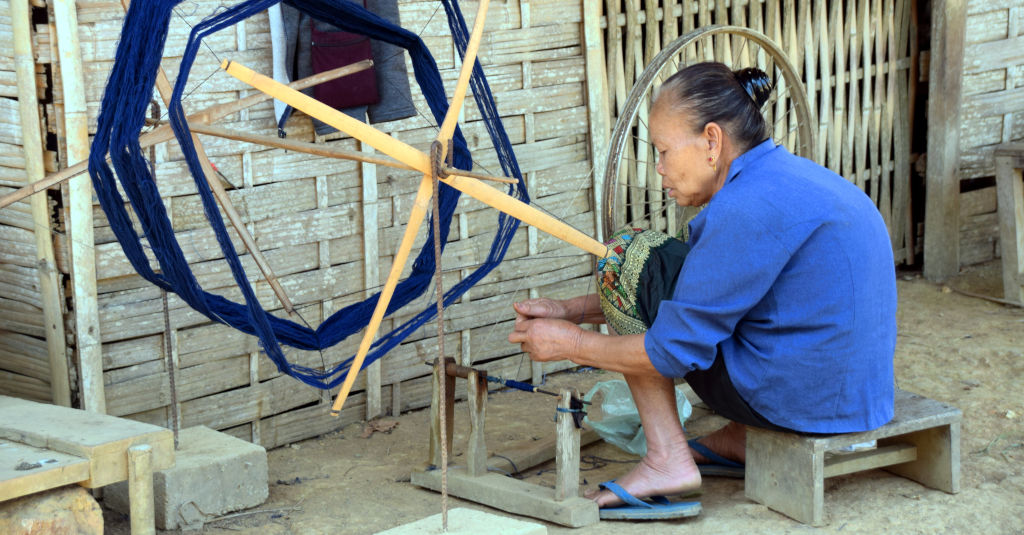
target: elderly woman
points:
(780, 310)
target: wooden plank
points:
(837, 465)
(25, 470)
(512, 495)
(941, 245)
(103, 440)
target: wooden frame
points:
(561, 505)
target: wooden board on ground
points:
(512, 495)
(100, 439)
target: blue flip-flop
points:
(658, 508)
(719, 466)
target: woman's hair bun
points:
(756, 83)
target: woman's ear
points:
(713, 135)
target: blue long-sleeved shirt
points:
(791, 276)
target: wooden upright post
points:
(140, 489)
(440, 374)
(80, 231)
(942, 184)
(597, 104)
(476, 452)
(567, 449)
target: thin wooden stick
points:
(219, 193)
(165, 133)
(321, 149)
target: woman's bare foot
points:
(729, 442)
(658, 473)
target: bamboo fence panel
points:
(992, 113)
(327, 228)
(854, 58)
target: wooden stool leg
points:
(938, 457)
(140, 489)
(785, 473)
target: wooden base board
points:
(512, 495)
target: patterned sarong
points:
(640, 272)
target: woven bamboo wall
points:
(992, 113)
(854, 57)
(329, 227)
(24, 358)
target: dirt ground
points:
(959, 349)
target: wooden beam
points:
(942, 182)
(512, 495)
(49, 289)
(597, 104)
(80, 224)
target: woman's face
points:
(688, 176)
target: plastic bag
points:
(617, 420)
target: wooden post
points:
(440, 374)
(80, 226)
(567, 449)
(1010, 193)
(140, 489)
(942, 183)
(476, 452)
(49, 289)
(371, 271)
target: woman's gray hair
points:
(711, 92)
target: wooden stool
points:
(786, 471)
(1010, 192)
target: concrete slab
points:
(464, 521)
(214, 474)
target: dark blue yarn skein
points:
(121, 120)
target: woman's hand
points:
(542, 307)
(546, 339)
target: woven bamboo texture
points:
(992, 113)
(853, 57)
